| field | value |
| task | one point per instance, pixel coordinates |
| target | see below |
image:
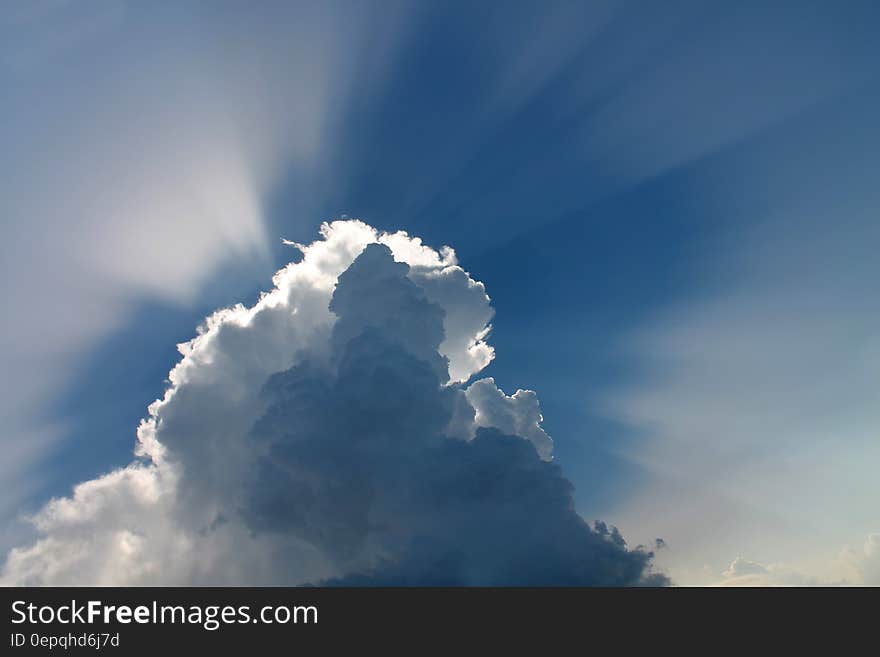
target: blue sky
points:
(673, 209)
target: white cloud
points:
(287, 399)
(518, 414)
(743, 572)
(850, 566)
(865, 562)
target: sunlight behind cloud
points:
(140, 145)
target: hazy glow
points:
(761, 402)
(139, 145)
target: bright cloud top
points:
(327, 434)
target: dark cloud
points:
(360, 457)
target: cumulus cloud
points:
(327, 434)
(743, 572)
(865, 562)
(859, 566)
(518, 414)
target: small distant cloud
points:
(853, 566)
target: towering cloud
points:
(328, 435)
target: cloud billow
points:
(328, 436)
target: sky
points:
(671, 207)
